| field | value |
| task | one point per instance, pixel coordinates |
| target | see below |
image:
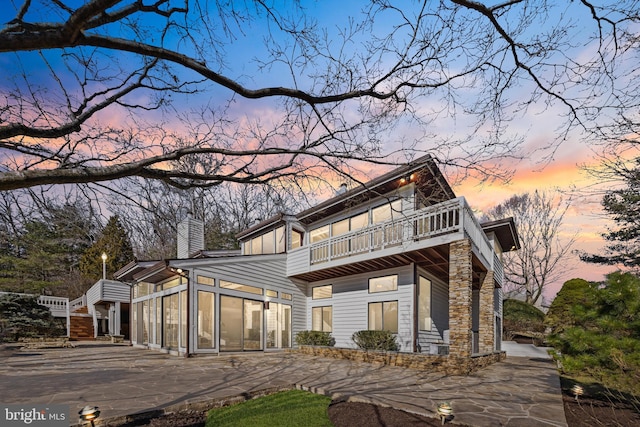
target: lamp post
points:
(104, 266)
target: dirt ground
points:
(586, 412)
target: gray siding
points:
(439, 315)
(350, 302)
(262, 271)
(115, 291)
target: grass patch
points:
(286, 408)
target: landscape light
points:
(445, 411)
(577, 391)
(89, 413)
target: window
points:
(280, 240)
(322, 292)
(239, 287)
(386, 212)
(268, 243)
(383, 284)
(278, 325)
(383, 316)
(170, 323)
(296, 239)
(322, 319)
(424, 304)
(183, 319)
(319, 234)
(340, 227)
(145, 321)
(286, 296)
(270, 293)
(204, 280)
(170, 284)
(158, 321)
(206, 320)
(360, 221)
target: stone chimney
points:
(190, 237)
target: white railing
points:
(58, 306)
(78, 302)
(448, 217)
(55, 304)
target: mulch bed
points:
(591, 412)
(586, 412)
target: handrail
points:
(448, 217)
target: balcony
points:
(432, 226)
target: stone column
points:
(487, 323)
(460, 281)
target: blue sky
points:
(539, 169)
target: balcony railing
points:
(453, 216)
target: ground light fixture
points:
(444, 411)
(89, 413)
(577, 391)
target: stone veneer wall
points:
(450, 365)
(487, 316)
(460, 295)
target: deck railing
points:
(443, 218)
(78, 302)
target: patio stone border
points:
(449, 365)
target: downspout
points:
(415, 308)
(130, 312)
(188, 314)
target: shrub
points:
(315, 338)
(521, 318)
(22, 316)
(375, 340)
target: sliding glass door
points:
(240, 324)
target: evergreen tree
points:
(43, 256)
(22, 316)
(115, 243)
(596, 329)
(623, 205)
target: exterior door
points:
(240, 324)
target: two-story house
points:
(400, 253)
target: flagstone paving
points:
(123, 380)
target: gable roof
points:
(505, 231)
(423, 171)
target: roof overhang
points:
(126, 273)
(424, 172)
(505, 232)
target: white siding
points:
(439, 314)
(262, 271)
(350, 302)
(115, 291)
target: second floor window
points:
(271, 242)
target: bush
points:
(375, 340)
(315, 338)
(521, 319)
(21, 316)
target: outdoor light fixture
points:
(89, 413)
(577, 391)
(445, 411)
(104, 265)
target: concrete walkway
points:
(515, 349)
(124, 380)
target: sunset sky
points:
(544, 164)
